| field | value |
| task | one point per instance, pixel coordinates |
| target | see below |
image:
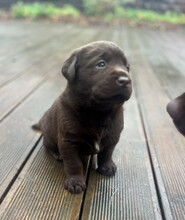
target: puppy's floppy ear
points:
(69, 67)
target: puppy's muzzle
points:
(114, 87)
(121, 76)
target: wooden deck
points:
(150, 180)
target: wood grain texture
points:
(53, 56)
(39, 193)
(17, 136)
(34, 51)
(165, 59)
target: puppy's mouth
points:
(117, 98)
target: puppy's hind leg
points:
(52, 148)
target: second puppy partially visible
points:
(87, 118)
(176, 109)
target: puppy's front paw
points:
(108, 169)
(75, 185)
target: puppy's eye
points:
(128, 67)
(101, 64)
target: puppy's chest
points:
(91, 144)
(94, 129)
(92, 139)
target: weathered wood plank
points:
(17, 33)
(56, 36)
(16, 91)
(13, 93)
(173, 50)
(159, 55)
(165, 143)
(37, 51)
(29, 35)
(39, 191)
(17, 139)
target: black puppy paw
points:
(75, 185)
(108, 169)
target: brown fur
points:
(176, 109)
(87, 118)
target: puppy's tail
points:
(36, 127)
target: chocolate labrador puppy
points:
(176, 110)
(87, 118)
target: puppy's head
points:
(99, 73)
(176, 109)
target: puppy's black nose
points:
(123, 81)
